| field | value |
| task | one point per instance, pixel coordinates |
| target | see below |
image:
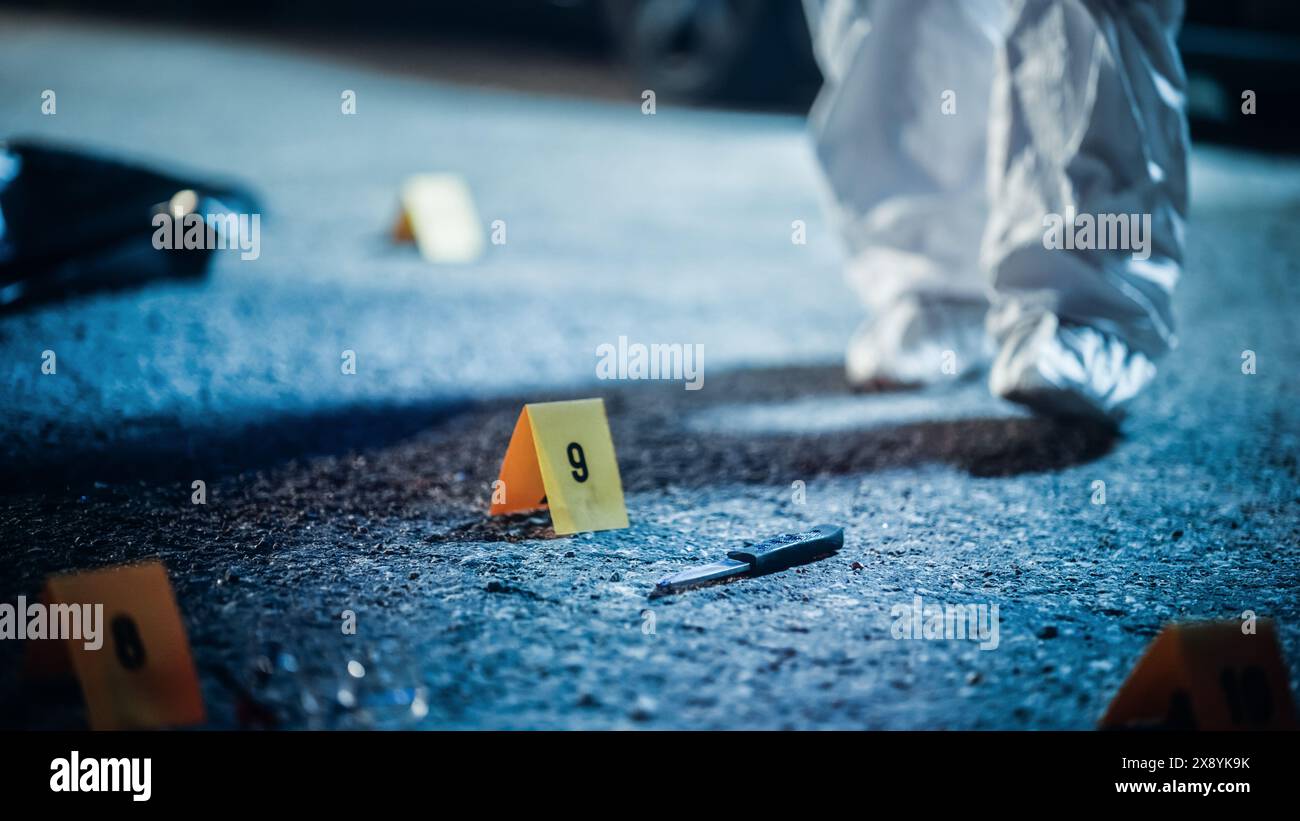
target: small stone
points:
(1049, 632)
(856, 566)
(1176, 535)
(644, 709)
(568, 554)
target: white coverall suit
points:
(948, 131)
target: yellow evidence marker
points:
(437, 211)
(1207, 676)
(561, 456)
(142, 676)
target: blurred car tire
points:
(716, 50)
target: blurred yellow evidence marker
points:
(143, 675)
(437, 211)
(561, 456)
(1207, 676)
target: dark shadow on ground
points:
(161, 449)
(467, 439)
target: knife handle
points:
(790, 549)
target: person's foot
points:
(917, 341)
(1068, 370)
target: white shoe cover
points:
(1064, 370)
(918, 341)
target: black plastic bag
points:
(72, 222)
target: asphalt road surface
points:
(330, 492)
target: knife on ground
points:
(767, 556)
